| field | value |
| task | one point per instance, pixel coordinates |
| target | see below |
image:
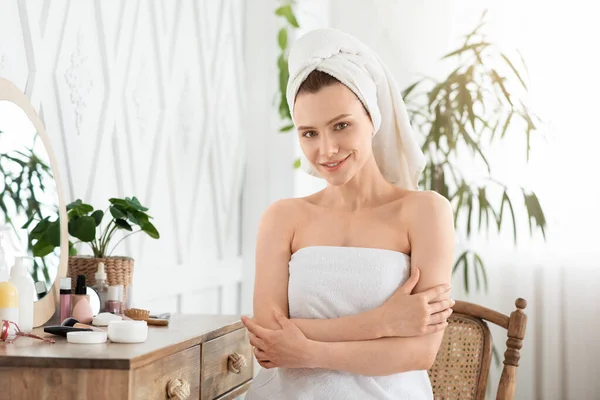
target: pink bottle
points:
(65, 298)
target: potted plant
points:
(85, 225)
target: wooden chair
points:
(463, 361)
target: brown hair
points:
(315, 81)
(318, 80)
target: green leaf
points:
(282, 38)
(466, 275)
(297, 163)
(472, 143)
(83, 228)
(134, 203)
(79, 208)
(460, 193)
(42, 248)
(287, 12)
(287, 128)
(98, 215)
(470, 208)
(498, 80)
(510, 64)
(474, 46)
(74, 204)
(40, 229)
(138, 217)
(483, 206)
(72, 249)
(459, 261)
(506, 124)
(506, 199)
(122, 224)
(53, 234)
(150, 230)
(534, 211)
(29, 221)
(479, 264)
(117, 212)
(432, 96)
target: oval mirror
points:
(31, 196)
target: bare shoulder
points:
(283, 214)
(427, 202)
(284, 208)
(428, 210)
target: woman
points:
(363, 267)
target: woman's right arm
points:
(273, 251)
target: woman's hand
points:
(285, 347)
(405, 314)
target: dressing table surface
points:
(197, 349)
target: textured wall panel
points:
(144, 98)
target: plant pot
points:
(119, 271)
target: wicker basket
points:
(119, 271)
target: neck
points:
(367, 189)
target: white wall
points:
(146, 98)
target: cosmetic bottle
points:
(20, 277)
(80, 292)
(113, 300)
(100, 286)
(9, 295)
(65, 298)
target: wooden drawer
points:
(217, 373)
(150, 381)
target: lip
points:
(332, 169)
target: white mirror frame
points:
(45, 308)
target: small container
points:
(113, 302)
(128, 331)
(103, 319)
(94, 337)
(65, 298)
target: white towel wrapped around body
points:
(332, 282)
(354, 64)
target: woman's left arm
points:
(431, 233)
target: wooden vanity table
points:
(210, 354)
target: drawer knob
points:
(236, 362)
(178, 389)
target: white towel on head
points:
(350, 61)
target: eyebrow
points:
(328, 122)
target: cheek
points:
(361, 143)
(309, 148)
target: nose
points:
(329, 147)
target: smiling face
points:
(335, 131)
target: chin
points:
(338, 179)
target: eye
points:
(309, 134)
(341, 125)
